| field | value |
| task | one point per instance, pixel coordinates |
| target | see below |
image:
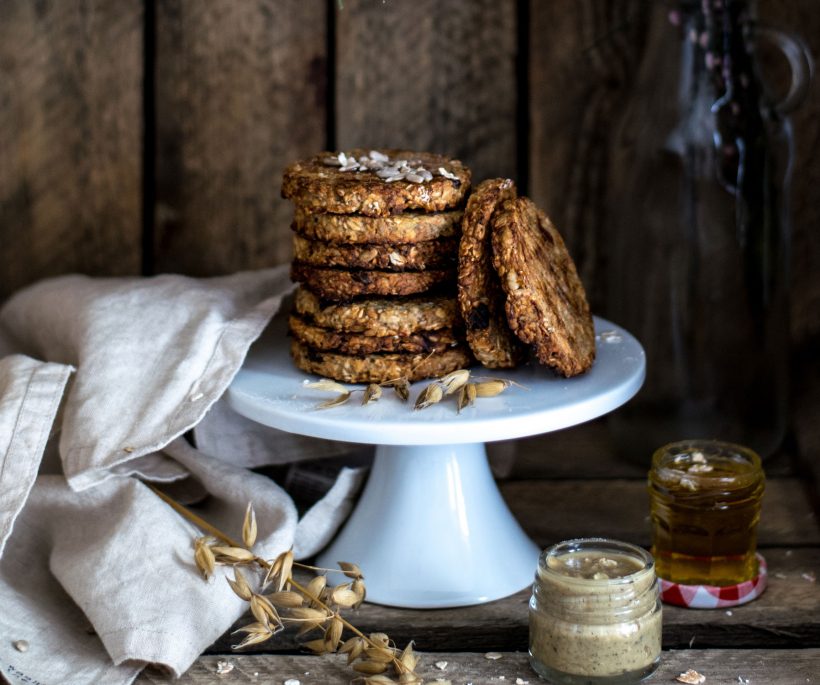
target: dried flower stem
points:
(213, 530)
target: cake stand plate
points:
(431, 529)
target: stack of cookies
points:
(376, 239)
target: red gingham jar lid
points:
(713, 596)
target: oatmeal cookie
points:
(376, 182)
(409, 227)
(479, 292)
(329, 340)
(377, 368)
(431, 254)
(339, 285)
(380, 316)
(546, 304)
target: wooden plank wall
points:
(149, 136)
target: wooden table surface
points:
(775, 639)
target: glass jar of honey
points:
(705, 501)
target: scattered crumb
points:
(441, 665)
(692, 677)
(691, 642)
(292, 681)
(742, 680)
(811, 576)
(521, 681)
(493, 655)
(223, 667)
(781, 576)
(789, 552)
(129, 449)
(20, 645)
(729, 612)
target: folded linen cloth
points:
(96, 572)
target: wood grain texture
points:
(551, 511)
(780, 667)
(786, 615)
(240, 92)
(583, 59)
(430, 76)
(70, 139)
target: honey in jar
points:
(705, 500)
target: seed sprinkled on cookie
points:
(376, 182)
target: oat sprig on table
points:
(316, 608)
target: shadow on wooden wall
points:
(145, 137)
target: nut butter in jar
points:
(595, 613)
(705, 501)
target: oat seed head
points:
(431, 395)
(326, 385)
(232, 555)
(335, 402)
(249, 529)
(240, 586)
(372, 393)
(454, 380)
(369, 667)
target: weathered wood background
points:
(145, 136)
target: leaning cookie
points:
(330, 340)
(380, 316)
(377, 368)
(546, 304)
(408, 227)
(339, 285)
(430, 254)
(376, 182)
(479, 292)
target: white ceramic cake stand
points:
(431, 529)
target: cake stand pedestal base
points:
(432, 530)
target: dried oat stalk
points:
(280, 601)
(459, 384)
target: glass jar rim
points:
(664, 457)
(596, 544)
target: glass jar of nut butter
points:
(595, 613)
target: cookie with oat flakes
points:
(380, 316)
(376, 182)
(545, 300)
(430, 254)
(339, 285)
(377, 368)
(479, 291)
(330, 340)
(407, 227)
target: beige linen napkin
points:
(96, 572)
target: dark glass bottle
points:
(700, 246)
